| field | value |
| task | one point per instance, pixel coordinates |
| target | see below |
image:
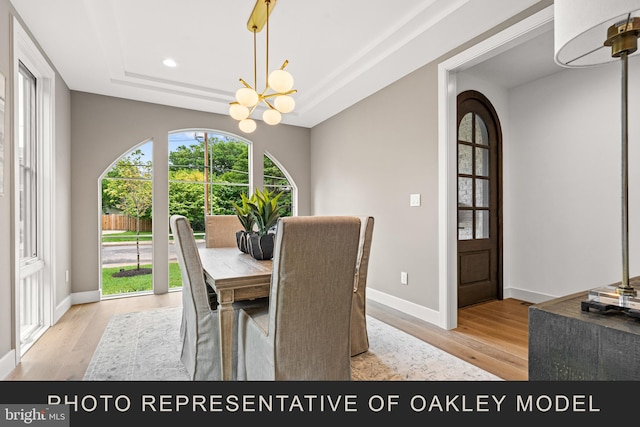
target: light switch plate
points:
(414, 200)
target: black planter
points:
(261, 246)
(241, 239)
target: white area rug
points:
(145, 346)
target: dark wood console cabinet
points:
(568, 343)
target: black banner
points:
(201, 403)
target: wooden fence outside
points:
(124, 222)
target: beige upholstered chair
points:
(200, 353)
(304, 332)
(220, 230)
(359, 336)
(199, 328)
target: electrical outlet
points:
(404, 278)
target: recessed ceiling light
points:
(169, 62)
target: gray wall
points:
(105, 128)
(6, 281)
(388, 150)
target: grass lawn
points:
(122, 285)
(126, 236)
(145, 236)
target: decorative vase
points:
(260, 246)
(241, 239)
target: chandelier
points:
(278, 84)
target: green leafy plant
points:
(266, 209)
(244, 212)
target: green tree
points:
(275, 180)
(228, 175)
(186, 196)
(129, 188)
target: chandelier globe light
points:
(247, 97)
(247, 125)
(281, 81)
(278, 83)
(238, 111)
(284, 103)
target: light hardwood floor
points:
(492, 336)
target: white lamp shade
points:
(280, 81)
(271, 117)
(247, 97)
(581, 28)
(238, 112)
(247, 125)
(284, 103)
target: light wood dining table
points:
(235, 276)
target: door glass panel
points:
(465, 159)
(482, 135)
(482, 161)
(127, 240)
(465, 192)
(207, 172)
(465, 130)
(465, 225)
(482, 224)
(482, 193)
(276, 180)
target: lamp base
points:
(609, 299)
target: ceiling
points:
(339, 51)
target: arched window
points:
(207, 171)
(126, 224)
(275, 178)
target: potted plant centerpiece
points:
(248, 221)
(266, 209)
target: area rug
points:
(145, 346)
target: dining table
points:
(234, 276)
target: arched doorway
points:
(479, 184)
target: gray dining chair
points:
(359, 335)
(220, 230)
(199, 328)
(304, 332)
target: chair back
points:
(198, 330)
(220, 230)
(359, 335)
(310, 301)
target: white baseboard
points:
(415, 310)
(61, 309)
(7, 363)
(528, 296)
(85, 297)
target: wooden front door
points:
(479, 199)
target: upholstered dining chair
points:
(304, 333)
(359, 335)
(220, 230)
(199, 327)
